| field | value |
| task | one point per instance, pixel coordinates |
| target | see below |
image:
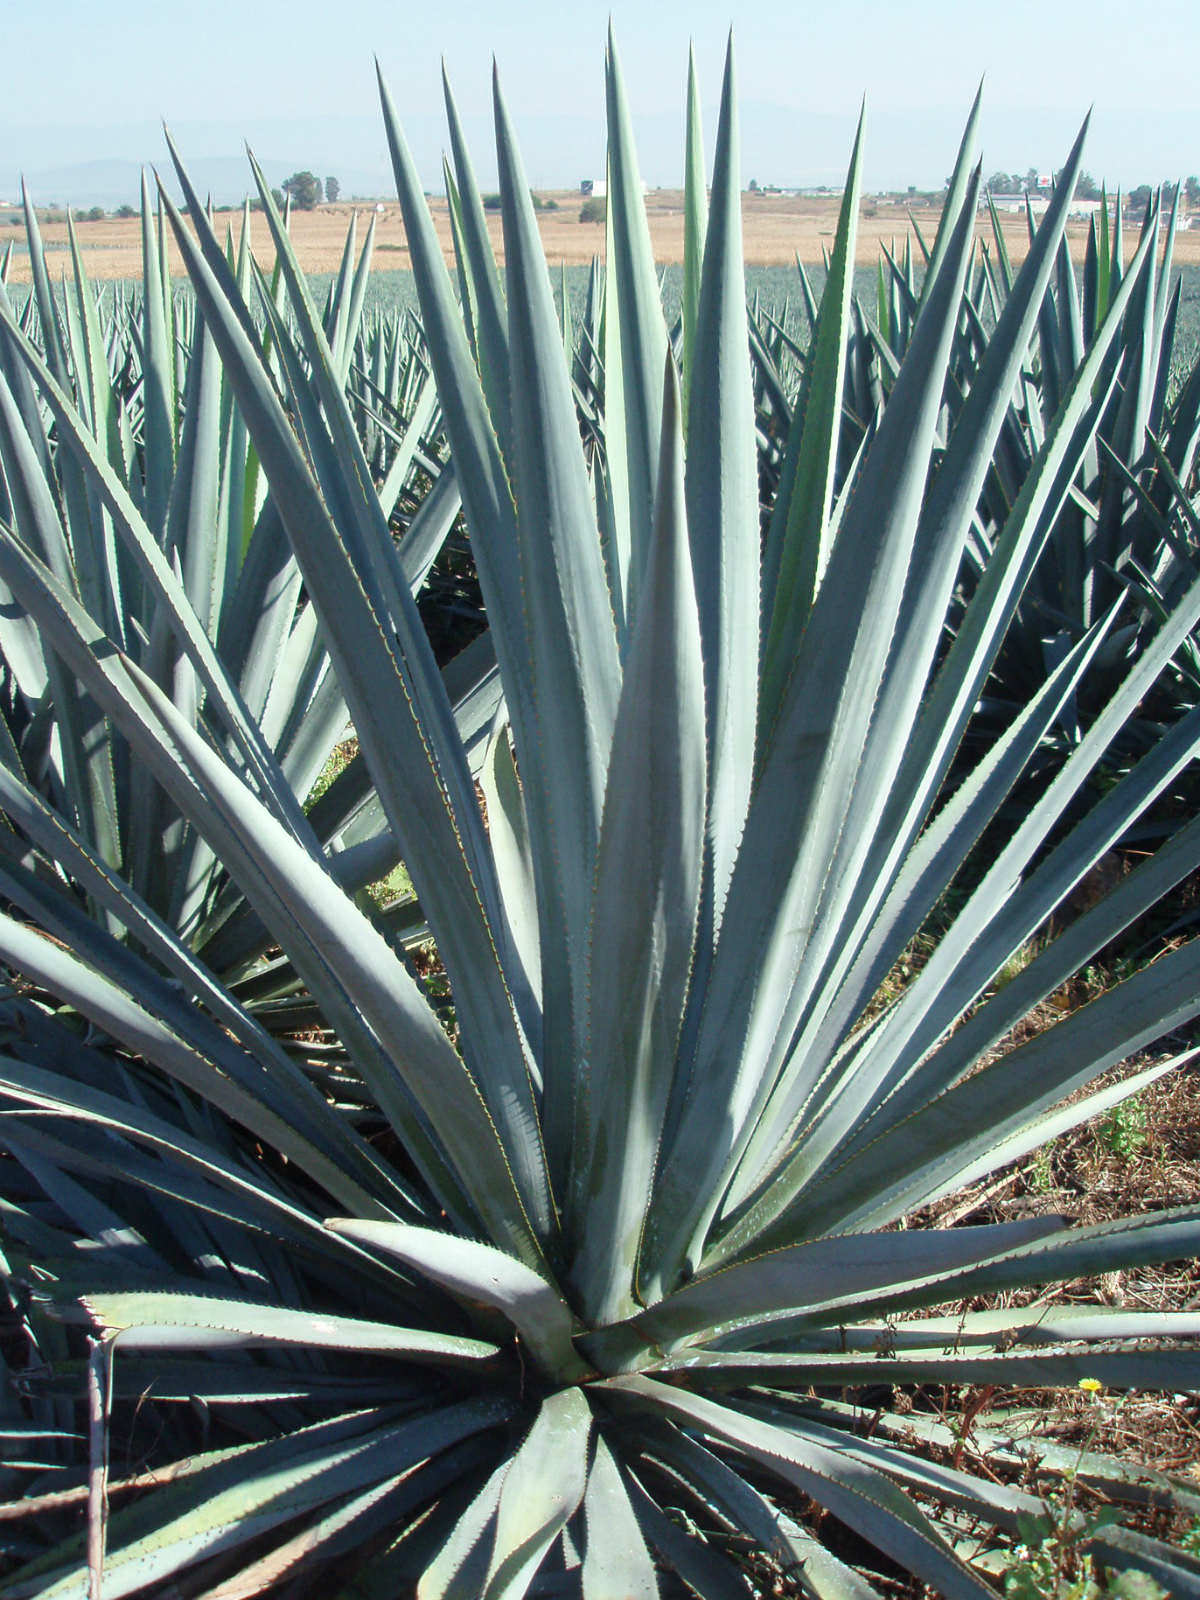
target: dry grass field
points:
(778, 228)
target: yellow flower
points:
(1091, 1385)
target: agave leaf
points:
(705, 1570)
(695, 225)
(477, 454)
(1133, 1481)
(835, 1269)
(635, 348)
(347, 1527)
(1095, 1037)
(801, 1557)
(541, 1491)
(508, 831)
(486, 296)
(260, 609)
(956, 193)
(958, 686)
(925, 876)
(158, 378)
(477, 1272)
(1089, 933)
(91, 1216)
(857, 1495)
(193, 527)
(646, 901)
(722, 513)
(126, 691)
(616, 1563)
(150, 1320)
(970, 1492)
(265, 1486)
(1120, 1369)
(798, 538)
(965, 951)
(194, 541)
(402, 462)
(236, 1382)
(572, 643)
(1128, 1550)
(460, 1567)
(174, 1036)
(92, 1110)
(48, 317)
(91, 372)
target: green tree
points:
(332, 189)
(1191, 191)
(1139, 198)
(1086, 187)
(304, 188)
(594, 209)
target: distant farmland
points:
(778, 228)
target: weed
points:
(1122, 1131)
(1041, 1169)
(1050, 1562)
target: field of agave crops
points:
(776, 288)
(392, 291)
(598, 884)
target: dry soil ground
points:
(778, 228)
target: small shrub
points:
(594, 209)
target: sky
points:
(297, 81)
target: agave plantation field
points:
(598, 877)
(391, 291)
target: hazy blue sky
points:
(297, 80)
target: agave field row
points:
(564, 1221)
(392, 291)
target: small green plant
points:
(1051, 1561)
(1122, 1130)
(1041, 1169)
(594, 209)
